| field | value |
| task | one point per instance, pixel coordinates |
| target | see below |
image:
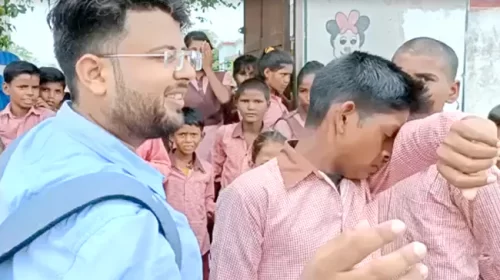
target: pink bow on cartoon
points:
(347, 23)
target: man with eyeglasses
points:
(127, 70)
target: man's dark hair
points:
(310, 67)
(192, 117)
(197, 36)
(274, 60)
(52, 75)
(96, 27)
(373, 83)
(434, 48)
(253, 84)
(17, 68)
(494, 115)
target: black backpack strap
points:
(33, 218)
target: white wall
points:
(482, 72)
(392, 22)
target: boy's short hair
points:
(256, 84)
(52, 75)
(494, 115)
(17, 68)
(274, 60)
(192, 117)
(373, 83)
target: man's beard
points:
(141, 115)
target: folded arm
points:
(414, 149)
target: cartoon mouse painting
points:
(347, 33)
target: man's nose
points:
(187, 72)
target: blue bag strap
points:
(66, 198)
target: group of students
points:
(35, 94)
(254, 236)
(240, 124)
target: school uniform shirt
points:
(114, 239)
(273, 218)
(191, 192)
(291, 126)
(231, 156)
(154, 152)
(275, 111)
(12, 127)
(462, 236)
(201, 97)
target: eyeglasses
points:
(195, 58)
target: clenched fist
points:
(469, 150)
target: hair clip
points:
(269, 49)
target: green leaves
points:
(8, 10)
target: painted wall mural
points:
(347, 32)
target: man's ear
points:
(454, 92)
(5, 88)
(267, 73)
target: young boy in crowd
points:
(267, 146)
(22, 84)
(190, 185)
(231, 155)
(52, 84)
(276, 68)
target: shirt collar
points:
(293, 166)
(7, 112)
(238, 130)
(197, 165)
(107, 146)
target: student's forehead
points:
(26, 78)
(420, 63)
(53, 84)
(252, 93)
(286, 68)
(189, 128)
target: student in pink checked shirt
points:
(462, 235)
(272, 218)
(275, 68)
(231, 155)
(22, 84)
(190, 185)
(292, 125)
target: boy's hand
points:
(468, 151)
(339, 258)
(207, 56)
(40, 103)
